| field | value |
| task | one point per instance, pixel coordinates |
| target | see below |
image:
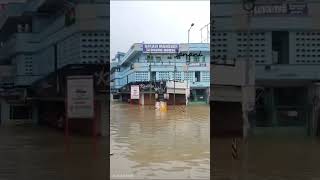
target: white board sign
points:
(135, 93)
(177, 85)
(80, 97)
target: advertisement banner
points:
(160, 48)
(80, 97)
(135, 93)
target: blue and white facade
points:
(284, 43)
(38, 37)
(156, 62)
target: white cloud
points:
(156, 22)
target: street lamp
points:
(187, 62)
(201, 29)
(248, 6)
(150, 80)
(174, 81)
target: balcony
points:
(169, 66)
(288, 72)
(25, 80)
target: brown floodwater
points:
(148, 144)
(30, 153)
(269, 157)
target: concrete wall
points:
(226, 118)
(47, 32)
(222, 93)
(228, 75)
(104, 118)
(35, 114)
(232, 16)
(5, 112)
(230, 19)
(314, 99)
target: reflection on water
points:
(29, 153)
(150, 144)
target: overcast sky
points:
(156, 22)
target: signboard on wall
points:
(135, 92)
(80, 97)
(177, 85)
(285, 8)
(160, 48)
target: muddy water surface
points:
(147, 144)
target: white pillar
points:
(142, 98)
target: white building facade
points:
(145, 63)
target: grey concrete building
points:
(38, 37)
(284, 43)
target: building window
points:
(196, 59)
(197, 76)
(149, 57)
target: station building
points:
(38, 38)
(284, 43)
(147, 65)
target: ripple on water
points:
(161, 145)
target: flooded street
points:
(29, 153)
(287, 157)
(147, 144)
